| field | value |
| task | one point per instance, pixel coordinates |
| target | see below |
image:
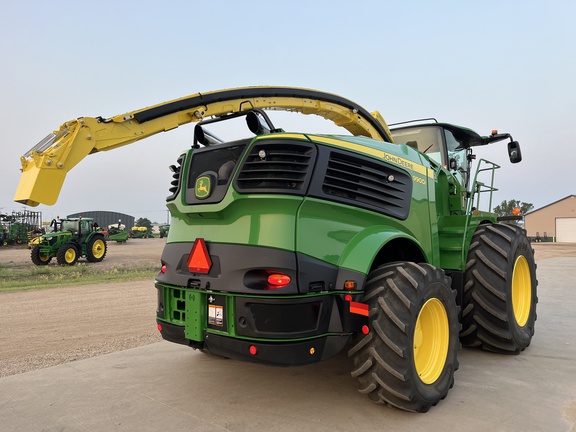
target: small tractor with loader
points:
(289, 247)
(75, 238)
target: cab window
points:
(457, 154)
(427, 140)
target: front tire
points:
(67, 254)
(409, 356)
(38, 257)
(499, 304)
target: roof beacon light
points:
(199, 260)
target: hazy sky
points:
(506, 65)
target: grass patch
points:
(30, 277)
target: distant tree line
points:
(144, 222)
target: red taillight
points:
(278, 280)
(160, 327)
(253, 350)
(163, 269)
(199, 260)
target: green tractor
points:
(164, 230)
(72, 239)
(287, 248)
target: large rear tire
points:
(499, 304)
(38, 257)
(67, 254)
(409, 356)
(96, 249)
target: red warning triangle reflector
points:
(199, 260)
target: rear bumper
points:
(271, 353)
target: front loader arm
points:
(45, 166)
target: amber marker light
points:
(516, 211)
(349, 285)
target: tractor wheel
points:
(409, 355)
(499, 304)
(67, 254)
(96, 249)
(38, 257)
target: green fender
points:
(363, 248)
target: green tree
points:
(506, 208)
(144, 222)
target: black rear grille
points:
(370, 184)
(277, 167)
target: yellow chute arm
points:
(44, 167)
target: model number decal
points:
(387, 157)
(418, 179)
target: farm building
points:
(554, 222)
(107, 218)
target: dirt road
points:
(53, 326)
(59, 325)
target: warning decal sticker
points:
(216, 315)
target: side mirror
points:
(514, 152)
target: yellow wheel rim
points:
(521, 290)
(98, 249)
(431, 340)
(44, 257)
(70, 255)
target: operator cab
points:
(450, 145)
(438, 143)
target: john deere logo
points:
(203, 187)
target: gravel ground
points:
(60, 325)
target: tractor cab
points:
(450, 145)
(82, 226)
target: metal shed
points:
(107, 218)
